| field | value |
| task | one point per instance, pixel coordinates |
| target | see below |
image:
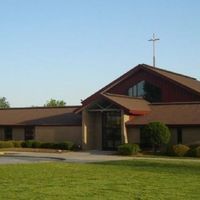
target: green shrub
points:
(191, 152)
(6, 144)
(28, 143)
(169, 151)
(194, 146)
(157, 134)
(36, 144)
(180, 149)
(17, 143)
(67, 145)
(198, 151)
(128, 149)
(47, 145)
(76, 147)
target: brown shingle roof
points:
(186, 81)
(171, 114)
(40, 116)
(133, 105)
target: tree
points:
(55, 103)
(4, 103)
(157, 133)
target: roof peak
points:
(168, 71)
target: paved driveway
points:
(78, 157)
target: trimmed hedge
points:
(67, 145)
(6, 144)
(17, 143)
(194, 151)
(27, 144)
(128, 149)
(191, 152)
(180, 150)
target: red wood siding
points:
(171, 92)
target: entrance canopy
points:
(114, 102)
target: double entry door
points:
(111, 130)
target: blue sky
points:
(68, 49)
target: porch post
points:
(124, 119)
(84, 130)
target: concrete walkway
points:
(78, 157)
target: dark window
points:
(179, 135)
(146, 90)
(29, 133)
(111, 130)
(137, 90)
(145, 140)
(7, 133)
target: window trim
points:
(27, 134)
(8, 131)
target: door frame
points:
(106, 127)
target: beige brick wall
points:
(173, 139)
(133, 135)
(191, 135)
(91, 130)
(18, 133)
(58, 133)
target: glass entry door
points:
(111, 130)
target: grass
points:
(133, 179)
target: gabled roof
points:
(170, 114)
(135, 106)
(40, 116)
(187, 82)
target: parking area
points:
(77, 157)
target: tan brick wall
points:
(18, 133)
(173, 139)
(191, 135)
(88, 123)
(133, 135)
(58, 134)
(91, 130)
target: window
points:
(146, 90)
(145, 140)
(137, 90)
(179, 136)
(7, 133)
(140, 89)
(29, 133)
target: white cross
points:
(154, 39)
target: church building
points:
(116, 113)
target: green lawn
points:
(136, 179)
